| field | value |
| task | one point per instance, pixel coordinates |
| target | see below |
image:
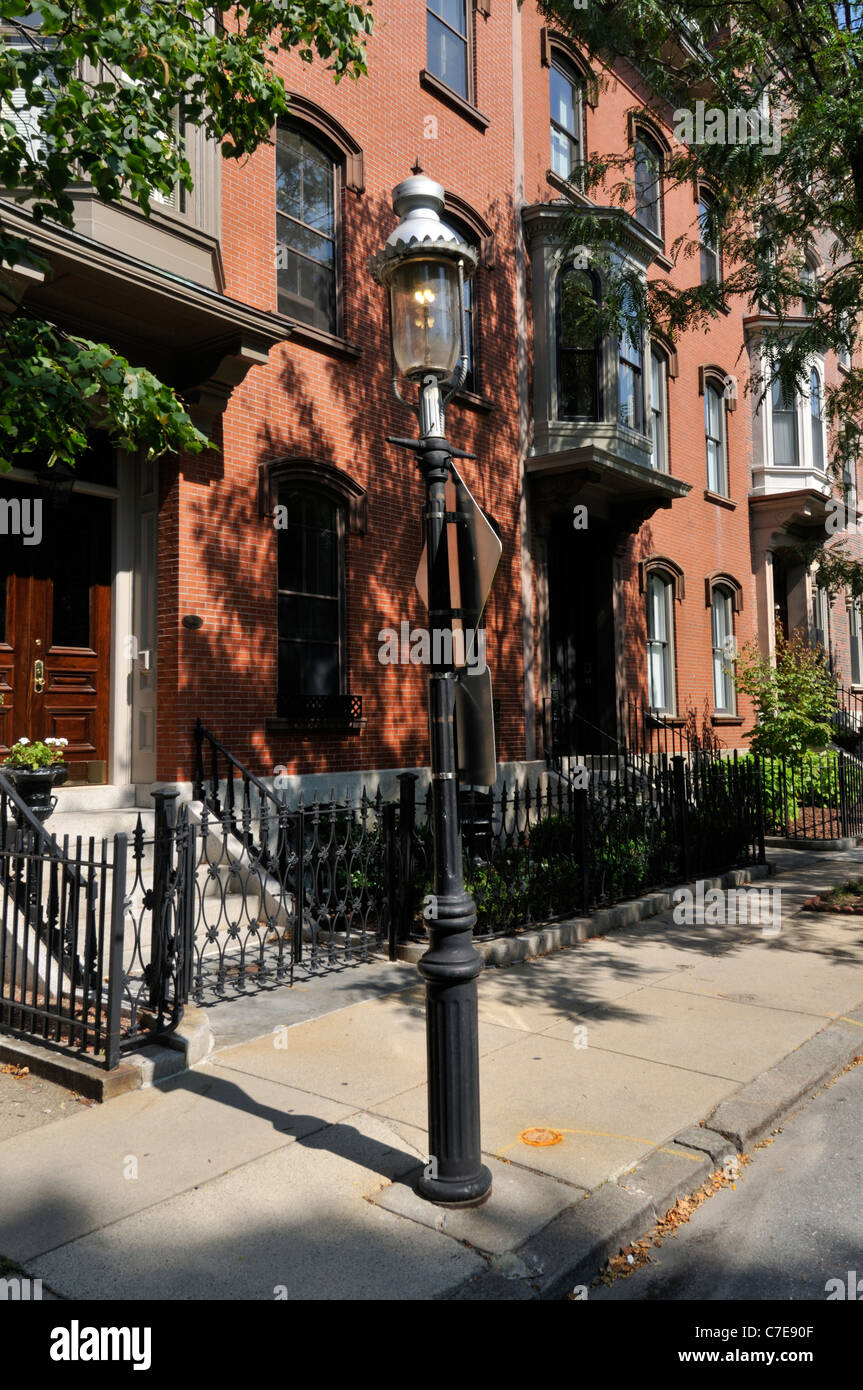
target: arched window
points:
(311, 596)
(648, 183)
(659, 410)
(816, 419)
(659, 590)
(566, 92)
(716, 438)
(786, 452)
(630, 392)
(709, 241)
(307, 201)
(722, 627)
(578, 347)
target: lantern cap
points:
(419, 202)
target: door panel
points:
(58, 613)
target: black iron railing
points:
(636, 731)
(847, 719)
(89, 963)
(818, 796)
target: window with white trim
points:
(659, 591)
(855, 642)
(630, 398)
(821, 617)
(659, 410)
(566, 95)
(722, 628)
(710, 258)
(786, 453)
(716, 438)
(816, 419)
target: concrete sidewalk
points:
(283, 1166)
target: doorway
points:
(581, 631)
(55, 623)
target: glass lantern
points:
(426, 321)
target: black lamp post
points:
(423, 265)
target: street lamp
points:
(424, 264)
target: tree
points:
(793, 699)
(786, 176)
(105, 80)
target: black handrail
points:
(32, 840)
(239, 825)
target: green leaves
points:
(793, 699)
(105, 83)
(56, 387)
(795, 179)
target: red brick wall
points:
(218, 558)
(700, 536)
(339, 410)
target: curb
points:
(822, 846)
(572, 1248)
(167, 1055)
(542, 941)
(84, 1077)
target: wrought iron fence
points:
(88, 964)
(847, 719)
(816, 797)
(635, 731)
(605, 831)
(280, 888)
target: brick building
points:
(253, 296)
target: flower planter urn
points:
(34, 785)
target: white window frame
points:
(664, 645)
(713, 390)
(722, 597)
(806, 460)
(660, 458)
(855, 642)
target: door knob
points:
(38, 677)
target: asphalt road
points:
(793, 1221)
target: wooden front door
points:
(55, 626)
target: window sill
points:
(719, 499)
(568, 189)
(316, 338)
(313, 714)
(660, 719)
(724, 720)
(473, 401)
(446, 94)
(314, 726)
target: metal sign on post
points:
(472, 554)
